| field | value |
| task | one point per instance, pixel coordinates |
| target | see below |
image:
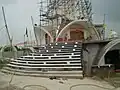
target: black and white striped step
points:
(52, 54)
(51, 57)
(61, 59)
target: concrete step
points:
(63, 47)
(48, 62)
(56, 52)
(56, 45)
(42, 65)
(59, 47)
(49, 57)
(44, 75)
(46, 67)
(53, 59)
(64, 43)
(59, 51)
(41, 72)
(51, 54)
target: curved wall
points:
(110, 46)
(88, 30)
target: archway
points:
(113, 57)
(112, 48)
(51, 38)
(37, 33)
(77, 35)
(47, 39)
(10, 50)
(87, 27)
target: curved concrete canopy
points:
(3, 48)
(46, 31)
(82, 22)
(108, 47)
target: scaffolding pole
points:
(52, 11)
(10, 40)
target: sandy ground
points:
(21, 81)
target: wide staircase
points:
(51, 60)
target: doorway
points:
(113, 57)
(47, 39)
(76, 35)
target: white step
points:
(42, 67)
(48, 72)
(58, 54)
(24, 57)
(39, 61)
(58, 59)
(41, 64)
(48, 64)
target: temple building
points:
(69, 44)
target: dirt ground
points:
(13, 82)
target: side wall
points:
(89, 53)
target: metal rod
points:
(104, 27)
(32, 21)
(24, 40)
(41, 8)
(10, 40)
(104, 18)
(30, 37)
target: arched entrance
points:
(76, 35)
(47, 38)
(113, 57)
(110, 54)
(42, 34)
(84, 30)
(8, 51)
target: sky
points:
(19, 12)
(111, 9)
(18, 16)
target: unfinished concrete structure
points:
(68, 43)
(65, 20)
